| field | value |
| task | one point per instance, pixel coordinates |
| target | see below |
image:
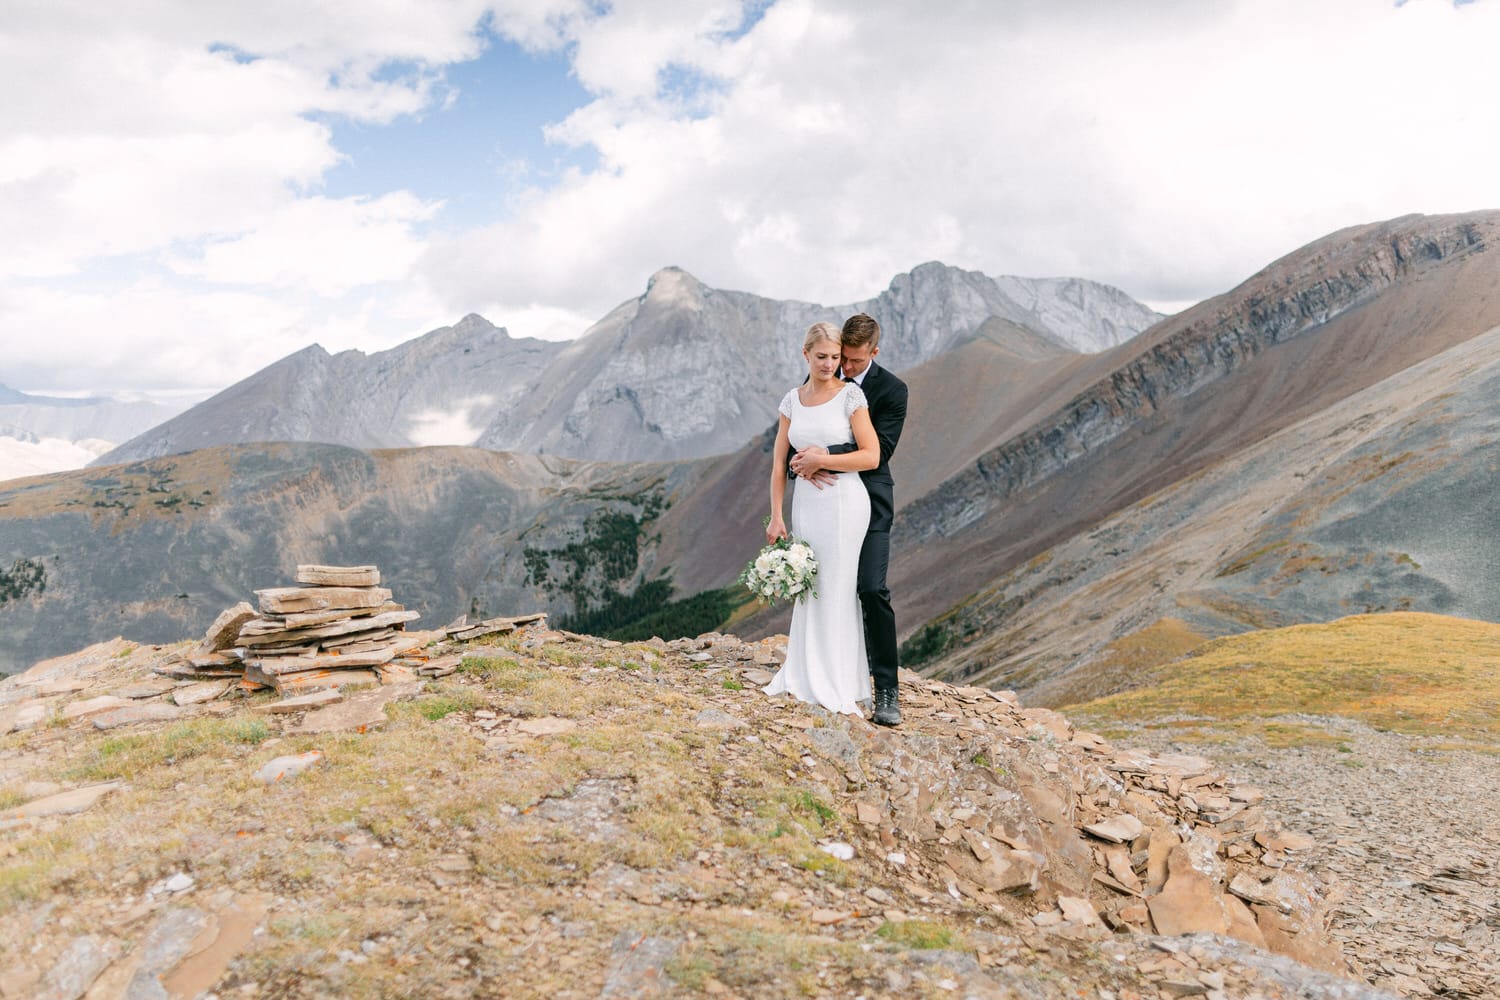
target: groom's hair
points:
(860, 330)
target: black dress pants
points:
(875, 601)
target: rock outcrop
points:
(566, 816)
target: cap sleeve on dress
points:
(854, 399)
(785, 409)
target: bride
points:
(825, 656)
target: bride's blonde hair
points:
(820, 331)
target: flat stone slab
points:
(226, 628)
(360, 712)
(145, 689)
(195, 694)
(77, 967)
(27, 717)
(93, 706)
(281, 768)
(136, 713)
(1252, 890)
(303, 702)
(292, 600)
(1076, 909)
(236, 922)
(62, 686)
(322, 661)
(1120, 830)
(547, 726)
(637, 966)
(713, 718)
(62, 803)
(271, 633)
(338, 576)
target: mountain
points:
(441, 388)
(1033, 559)
(155, 548)
(41, 434)
(1382, 502)
(1052, 504)
(687, 371)
(684, 371)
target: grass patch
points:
(442, 703)
(754, 960)
(1412, 673)
(131, 755)
(823, 863)
(811, 805)
(1126, 663)
(917, 934)
(1459, 746)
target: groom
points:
(886, 395)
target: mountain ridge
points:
(41, 434)
(632, 387)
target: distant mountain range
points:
(41, 434)
(1314, 442)
(684, 371)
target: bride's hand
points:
(775, 529)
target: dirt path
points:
(1412, 830)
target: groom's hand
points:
(808, 464)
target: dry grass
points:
(441, 853)
(919, 934)
(1412, 673)
(1122, 664)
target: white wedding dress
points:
(825, 653)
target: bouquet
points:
(785, 570)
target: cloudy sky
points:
(192, 189)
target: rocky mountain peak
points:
(672, 287)
(474, 324)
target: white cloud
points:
(1171, 149)
(37, 458)
(323, 245)
(160, 135)
(456, 425)
(148, 334)
(165, 160)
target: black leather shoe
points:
(887, 710)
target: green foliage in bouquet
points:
(785, 570)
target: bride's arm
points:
(776, 528)
(868, 455)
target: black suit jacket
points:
(886, 395)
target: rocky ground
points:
(551, 815)
(1410, 826)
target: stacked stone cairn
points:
(337, 626)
